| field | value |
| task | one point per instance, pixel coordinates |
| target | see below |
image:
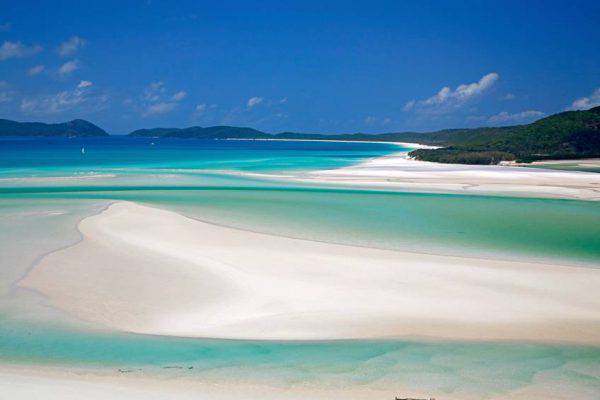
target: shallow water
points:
(432, 367)
(47, 186)
(512, 228)
(583, 167)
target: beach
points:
(400, 172)
(408, 145)
(25, 383)
(229, 283)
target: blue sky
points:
(324, 66)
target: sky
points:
(319, 67)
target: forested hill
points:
(75, 128)
(213, 132)
(570, 134)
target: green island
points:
(74, 128)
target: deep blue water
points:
(244, 155)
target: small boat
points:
(83, 150)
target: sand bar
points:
(146, 270)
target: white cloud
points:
(199, 110)
(79, 98)
(179, 96)
(68, 67)
(523, 116)
(84, 84)
(17, 50)
(71, 46)
(508, 96)
(159, 108)
(446, 99)
(154, 100)
(38, 69)
(371, 120)
(585, 103)
(409, 106)
(153, 91)
(283, 100)
(202, 110)
(254, 101)
(5, 95)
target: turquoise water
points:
(200, 179)
(536, 229)
(433, 367)
(48, 185)
(569, 167)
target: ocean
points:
(48, 185)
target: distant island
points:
(196, 132)
(75, 128)
(566, 135)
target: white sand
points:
(40, 382)
(402, 144)
(398, 171)
(582, 162)
(147, 270)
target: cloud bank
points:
(254, 101)
(17, 50)
(81, 98)
(585, 103)
(71, 46)
(156, 101)
(447, 100)
(36, 70)
(84, 84)
(68, 68)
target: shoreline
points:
(26, 382)
(58, 383)
(124, 247)
(595, 161)
(402, 144)
(398, 171)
